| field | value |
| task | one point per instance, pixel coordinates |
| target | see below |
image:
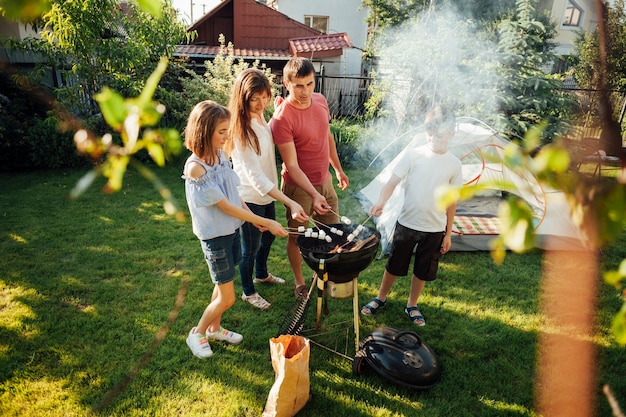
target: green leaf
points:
(551, 159)
(151, 6)
(171, 140)
(498, 250)
(145, 99)
(112, 107)
(116, 167)
(447, 195)
(156, 153)
(613, 278)
(24, 10)
(516, 224)
(619, 326)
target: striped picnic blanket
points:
(470, 225)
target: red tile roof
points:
(311, 47)
(210, 51)
(322, 45)
(258, 31)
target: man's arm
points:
(335, 163)
(290, 159)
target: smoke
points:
(438, 57)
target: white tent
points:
(481, 150)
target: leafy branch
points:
(128, 118)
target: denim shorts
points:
(222, 255)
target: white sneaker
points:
(199, 344)
(270, 279)
(225, 335)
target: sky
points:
(200, 7)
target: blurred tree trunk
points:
(566, 365)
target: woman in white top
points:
(254, 161)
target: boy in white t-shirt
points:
(421, 170)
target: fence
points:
(346, 95)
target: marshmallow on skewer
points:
(346, 220)
(350, 237)
(314, 235)
(301, 229)
(339, 232)
(307, 233)
(329, 239)
(333, 230)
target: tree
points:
(497, 77)
(385, 14)
(529, 96)
(93, 43)
(605, 64)
(587, 51)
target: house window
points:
(317, 22)
(573, 14)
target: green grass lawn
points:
(97, 297)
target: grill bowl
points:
(343, 266)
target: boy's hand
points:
(376, 210)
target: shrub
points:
(48, 147)
(349, 137)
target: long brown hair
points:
(249, 82)
(201, 125)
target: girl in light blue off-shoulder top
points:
(217, 212)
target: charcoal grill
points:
(337, 264)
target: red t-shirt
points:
(308, 130)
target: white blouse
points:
(258, 173)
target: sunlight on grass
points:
(503, 314)
(173, 273)
(41, 397)
(102, 257)
(161, 217)
(510, 409)
(102, 249)
(210, 396)
(15, 314)
(17, 238)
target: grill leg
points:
(321, 286)
(355, 308)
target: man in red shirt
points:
(301, 130)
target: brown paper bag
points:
(291, 389)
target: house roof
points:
(320, 45)
(203, 51)
(311, 47)
(260, 32)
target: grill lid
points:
(399, 356)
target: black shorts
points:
(427, 252)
